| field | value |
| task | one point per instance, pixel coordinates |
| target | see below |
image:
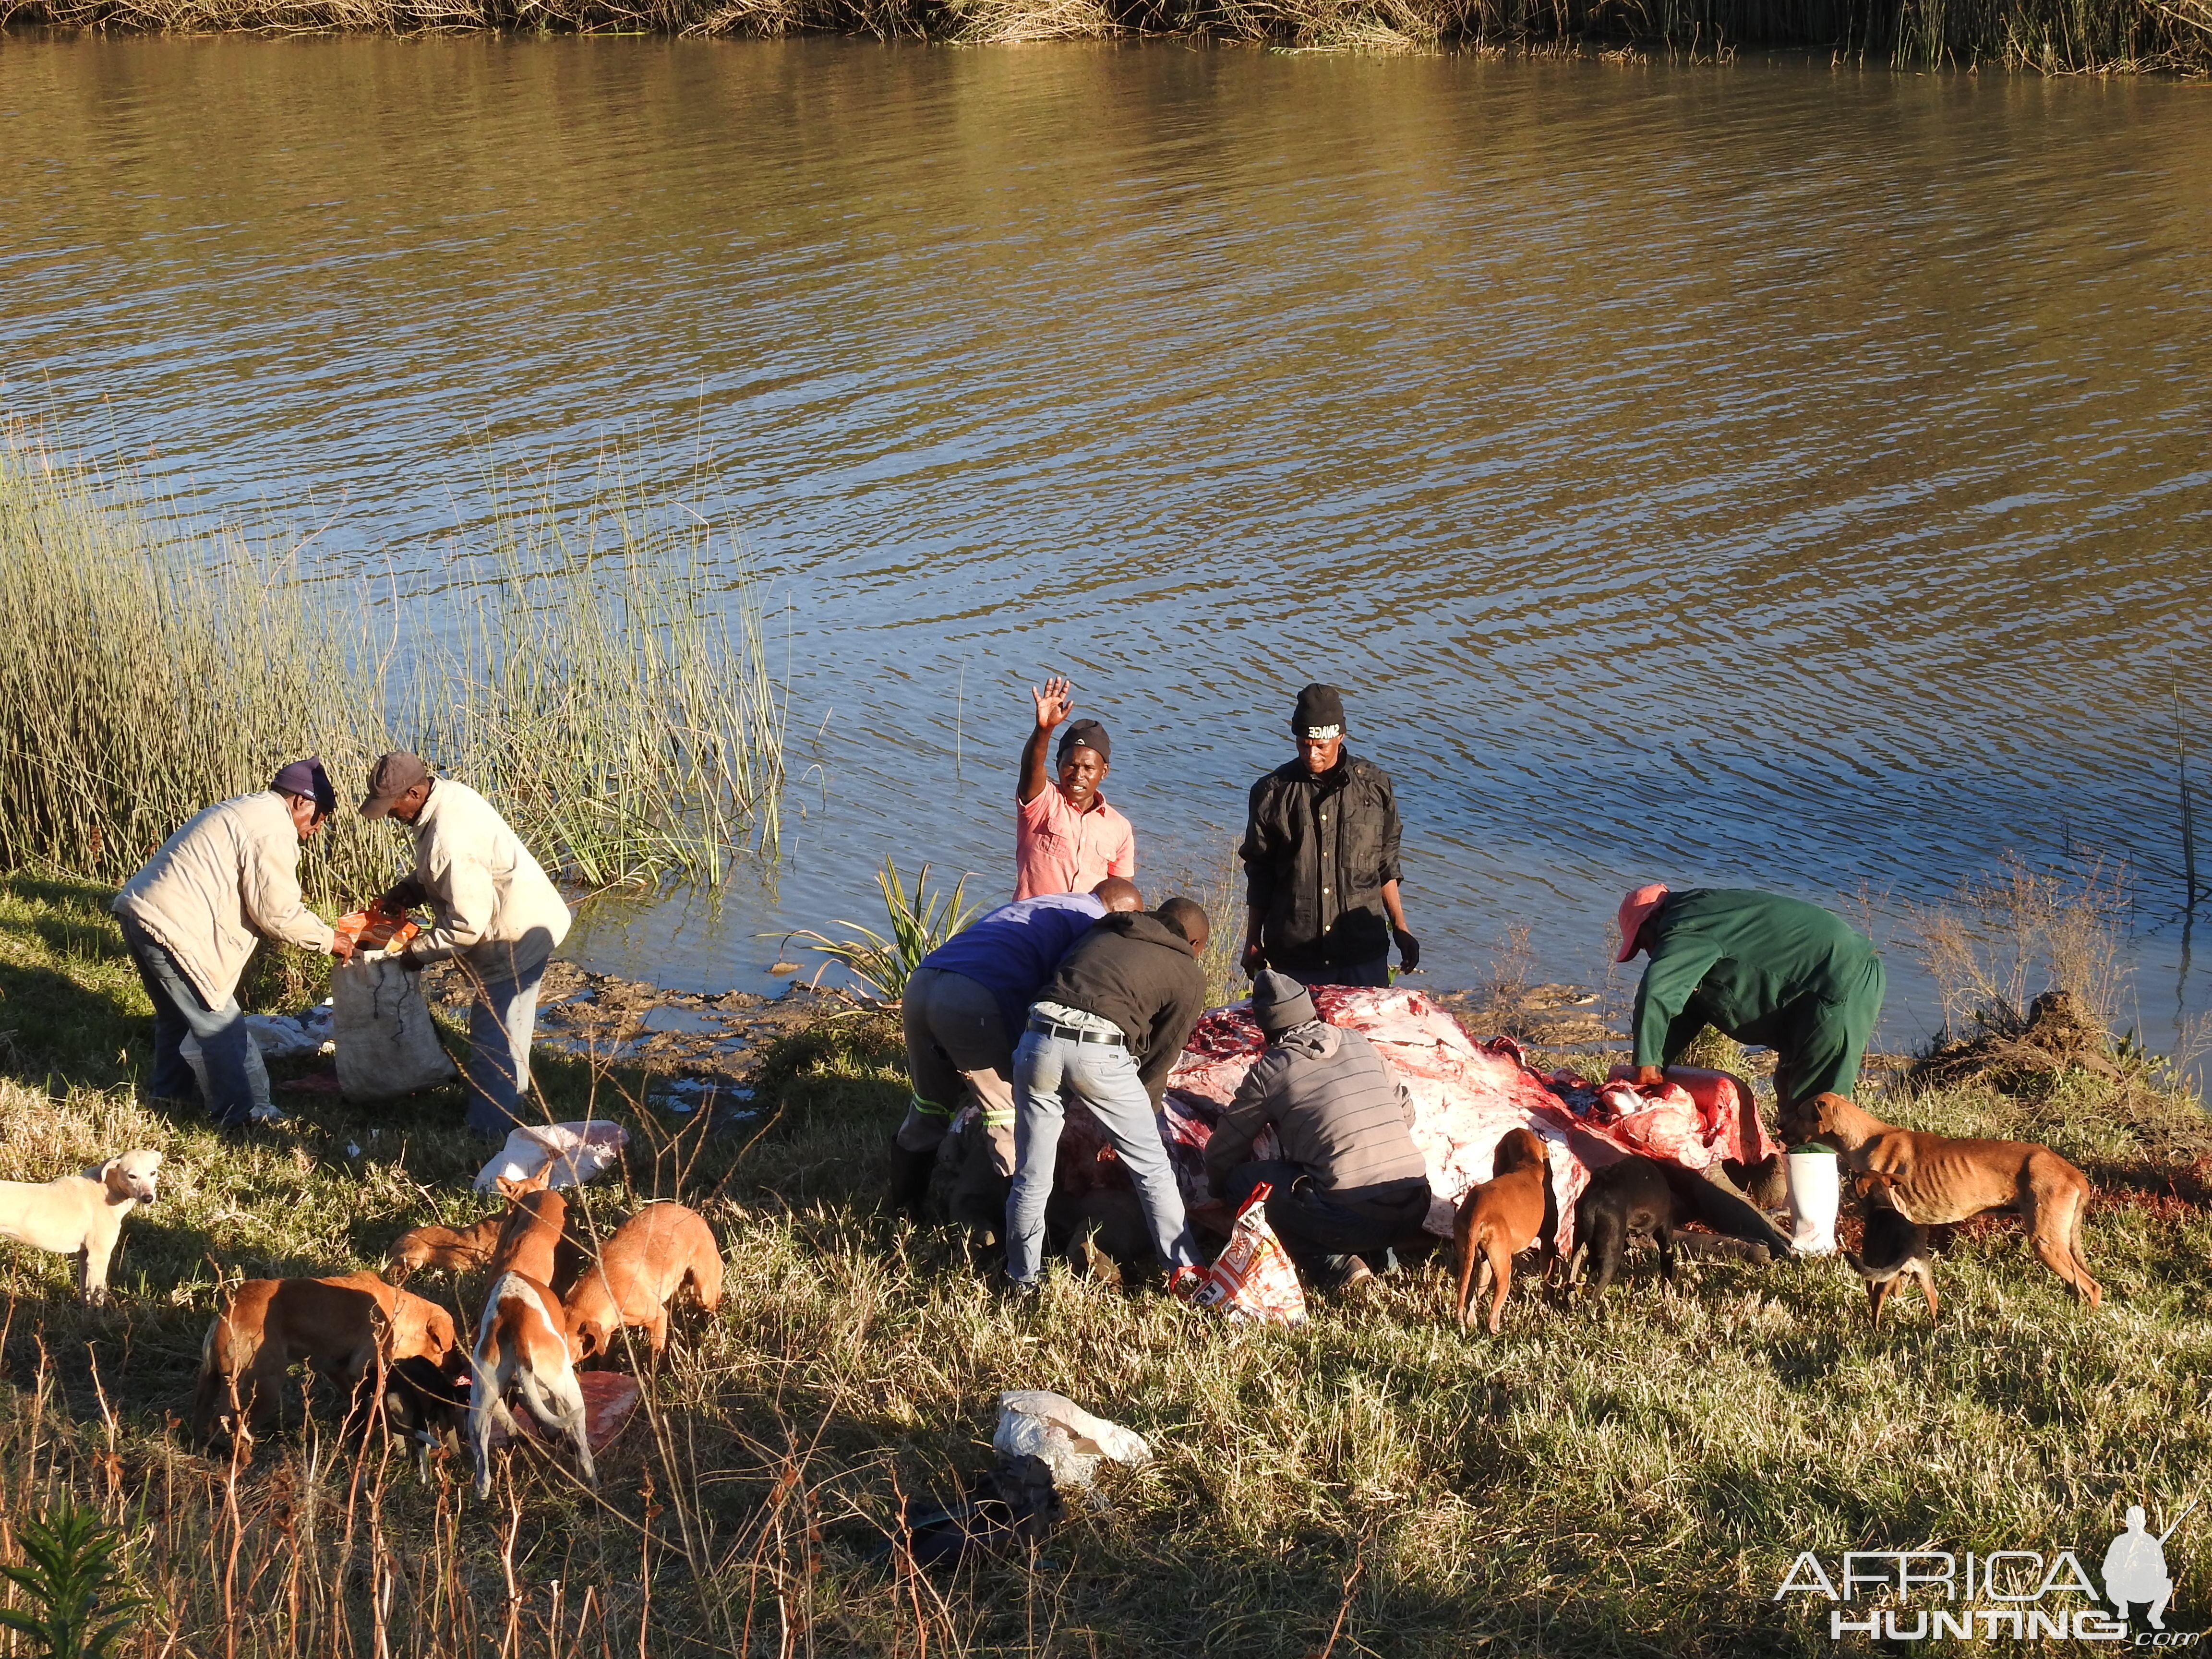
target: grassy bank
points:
(2047, 36)
(573, 669)
(1634, 1479)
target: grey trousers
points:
(956, 1046)
(503, 980)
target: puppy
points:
(1501, 1217)
(522, 1344)
(456, 1250)
(344, 1328)
(651, 1256)
(530, 1238)
(1623, 1201)
(80, 1215)
(1893, 1249)
(425, 1403)
(1934, 1179)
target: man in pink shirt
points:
(1066, 838)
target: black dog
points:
(1893, 1250)
(426, 1404)
(1625, 1200)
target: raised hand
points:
(1052, 703)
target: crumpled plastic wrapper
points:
(1068, 1439)
(577, 1152)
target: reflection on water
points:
(1765, 474)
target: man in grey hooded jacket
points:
(1349, 1181)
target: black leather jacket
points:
(1316, 852)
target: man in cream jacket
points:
(194, 913)
(499, 917)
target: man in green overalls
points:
(1772, 971)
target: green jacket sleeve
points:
(1669, 982)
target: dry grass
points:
(1633, 1480)
(2041, 36)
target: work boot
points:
(909, 1184)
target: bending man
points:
(963, 1006)
(193, 914)
(498, 917)
(1107, 1030)
(1762, 969)
(1349, 1182)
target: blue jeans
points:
(180, 1012)
(1103, 1076)
(502, 1017)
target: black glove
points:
(1255, 959)
(1409, 951)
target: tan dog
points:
(80, 1215)
(522, 1344)
(457, 1250)
(344, 1328)
(651, 1256)
(1501, 1217)
(1934, 1179)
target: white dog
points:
(80, 1215)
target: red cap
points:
(1635, 910)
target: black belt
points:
(1078, 1034)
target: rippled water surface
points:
(1765, 474)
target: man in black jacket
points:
(1107, 1028)
(1349, 1181)
(1320, 860)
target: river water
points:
(1763, 474)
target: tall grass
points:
(919, 920)
(2044, 36)
(583, 680)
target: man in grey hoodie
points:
(1349, 1180)
(1107, 1029)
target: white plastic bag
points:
(387, 1045)
(1037, 1423)
(257, 1074)
(577, 1152)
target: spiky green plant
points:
(920, 922)
(74, 1582)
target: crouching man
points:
(1106, 1030)
(1350, 1183)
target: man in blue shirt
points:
(964, 1005)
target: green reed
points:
(584, 682)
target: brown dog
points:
(1934, 1179)
(1502, 1217)
(343, 1327)
(651, 1256)
(457, 1250)
(530, 1239)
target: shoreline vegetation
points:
(582, 675)
(2040, 36)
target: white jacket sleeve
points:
(467, 899)
(270, 885)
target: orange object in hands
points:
(376, 928)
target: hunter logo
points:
(2004, 1594)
